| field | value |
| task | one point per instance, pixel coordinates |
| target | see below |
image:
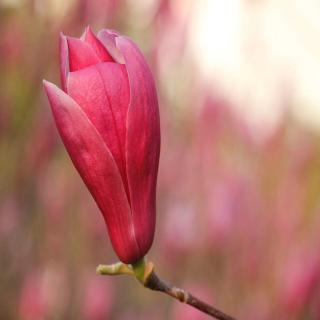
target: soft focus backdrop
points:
(239, 180)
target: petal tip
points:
(88, 33)
(122, 40)
(85, 33)
(113, 32)
(52, 90)
(47, 85)
(89, 29)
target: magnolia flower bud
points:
(108, 118)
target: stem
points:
(144, 272)
(153, 282)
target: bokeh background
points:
(239, 179)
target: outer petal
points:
(102, 91)
(143, 142)
(97, 168)
(64, 60)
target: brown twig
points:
(144, 272)
(153, 282)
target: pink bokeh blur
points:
(238, 209)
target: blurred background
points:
(239, 179)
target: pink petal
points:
(107, 38)
(103, 94)
(143, 142)
(81, 54)
(64, 60)
(97, 46)
(98, 170)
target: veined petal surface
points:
(102, 91)
(98, 170)
(143, 142)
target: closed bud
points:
(108, 118)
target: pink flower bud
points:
(108, 119)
